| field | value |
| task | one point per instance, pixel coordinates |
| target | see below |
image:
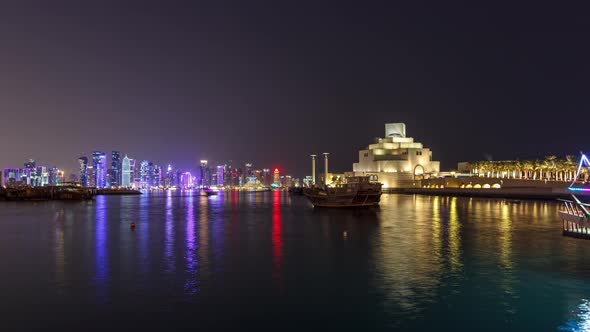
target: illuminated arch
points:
(469, 186)
(462, 186)
(418, 172)
(477, 186)
(486, 186)
(496, 186)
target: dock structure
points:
(575, 214)
(66, 192)
(575, 218)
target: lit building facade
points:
(276, 178)
(220, 174)
(83, 171)
(126, 172)
(99, 163)
(30, 175)
(116, 169)
(265, 180)
(145, 174)
(186, 180)
(157, 176)
(11, 177)
(56, 177)
(91, 176)
(205, 174)
(396, 160)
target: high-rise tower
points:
(83, 171)
(126, 172)
(99, 164)
(115, 170)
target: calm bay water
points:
(271, 261)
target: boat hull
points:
(361, 199)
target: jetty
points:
(117, 191)
(66, 192)
(575, 218)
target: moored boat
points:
(355, 191)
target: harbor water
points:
(270, 261)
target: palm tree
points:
(474, 167)
(517, 167)
(550, 166)
(539, 168)
(528, 166)
(570, 166)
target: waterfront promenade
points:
(488, 187)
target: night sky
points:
(273, 82)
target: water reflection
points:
(190, 284)
(101, 249)
(408, 251)
(142, 232)
(580, 320)
(454, 237)
(59, 248)
(170, 265)
(203, 247)
(277, 242)
(436, 227)
(507, 280)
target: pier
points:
(68, 192)
(575, 218)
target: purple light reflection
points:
(100, 249)
(191, 283)
(169, 236)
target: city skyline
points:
(275, 83)
(94, 171)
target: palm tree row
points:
(550, 168)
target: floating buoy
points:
(132, 225)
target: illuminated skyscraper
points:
(133, 173)
(11, 176)
(29, 173)
(91, 176)
(157, 177)
(126, 172)
(55, 176)
(99, 163)
(178, 178)
(83, 171)
(42, 177)
(147, 174)
(169, 182)
(202, 181)
(186, 180)
(276, 179)
(220, 173)
(116, 169)
(265, 177)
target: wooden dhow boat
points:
(354, 191)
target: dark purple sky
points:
(177, 81)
